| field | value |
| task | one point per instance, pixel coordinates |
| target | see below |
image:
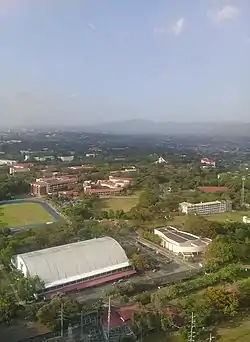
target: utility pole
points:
(109, 317)
(61, 319)
(191, 337)
(70, 333)
(243, 191)
(82, 335)
(211, 337)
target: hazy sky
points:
(88, 61)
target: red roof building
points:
(213, 189)
(101, 191)
(81, 168)
(19, 168)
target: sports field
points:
(119, 203)
(24, 214)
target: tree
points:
(222, 301)
(8, 307)
(198, 225)
(48, 314)
(142, 263)
(27, 287)
(219, 252)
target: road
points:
(171, 269)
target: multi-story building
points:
(88, 190)
(44, 186)
(20, 168)
(205, 208)
(81, 168)
(208, 162)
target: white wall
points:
(175, 247)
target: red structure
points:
(213, 189)
(92, 283)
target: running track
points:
(56, 217)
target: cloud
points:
(160, 30)
(226, 13)
(91, 26)
(178, 27)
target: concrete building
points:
(246, 219)
(205, 208)
(66, 158)
(77, 265)
(88, 190)
(206, 162)
(7, 162)
(44, 186)
(20, 168)
(81, 168)
(112, 186)
(180, 242)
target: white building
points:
(67, 158)
(160, 160)
(245, 219)
(7, 162)
(180, 242)
(205, 208)
(74, 263)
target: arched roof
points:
(75, 261)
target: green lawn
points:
(24, 214)
(239, 332)
(232, 332)
(118, 203)
(233, 216)
(162, 337)
(178, 221)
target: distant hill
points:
(172, 128)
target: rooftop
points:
(213, 189)
(181, 237)
(201, 203)
(102, 190)
(75, 261)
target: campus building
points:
(111, 187)
(44, 186)
(205, 208)
(80, 168)
(20, 168)
(206, 162)
(103, 191)
(77, 265)
(180, 242)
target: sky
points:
(82, 62)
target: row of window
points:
(105, 274)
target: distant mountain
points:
(172, 128)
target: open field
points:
(24, 214)
(178, 221)
(119, 203)
(239, 332)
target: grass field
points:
(119, 203)
(178, 221)
(24, 214)
(239, 332)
